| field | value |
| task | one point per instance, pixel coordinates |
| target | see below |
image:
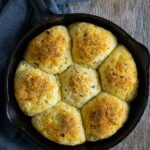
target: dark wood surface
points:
(134, 17)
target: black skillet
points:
(139, 52)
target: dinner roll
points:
(35, 90)
(61, 124)
(79, 84)
(118, 74)
(103, 116)
(50, 50)
(91, 43)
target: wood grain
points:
(134, 17)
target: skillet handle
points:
(41, 10)
(14, 115)
(143, 52)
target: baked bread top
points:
(103, 116)
(61, 123)
(118, 74)
(91, 43)
(50, 51)
(35, 90)
(79, 84)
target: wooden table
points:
(134, 17)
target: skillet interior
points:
(140, 54)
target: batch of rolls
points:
(76, 83)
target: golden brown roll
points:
(91, 43)
(50, 50)
(35, 90)
(103, 116)
(118, 74)
(61, 124)
(79, 84)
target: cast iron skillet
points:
(139, 52)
